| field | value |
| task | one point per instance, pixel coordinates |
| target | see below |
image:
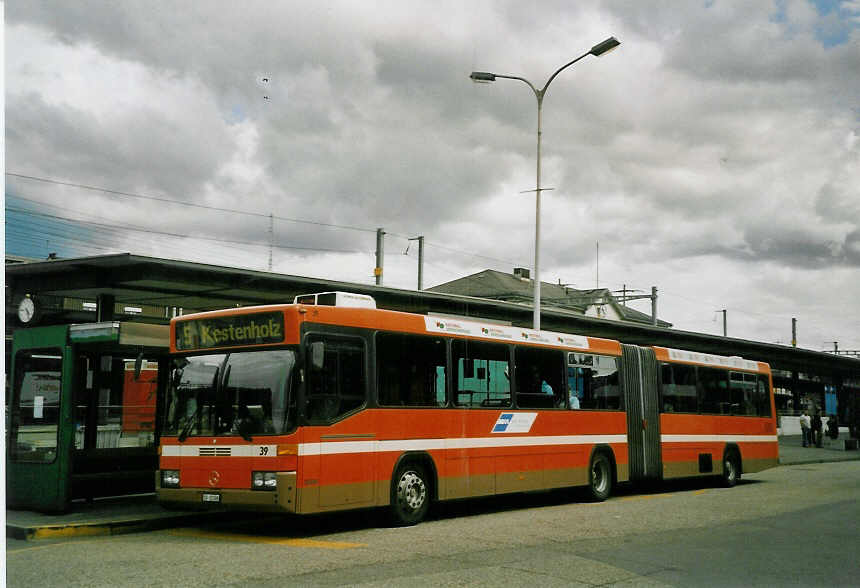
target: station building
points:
(133, 288)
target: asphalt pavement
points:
(139, 513)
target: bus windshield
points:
(244, 394)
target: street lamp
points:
(483, 77)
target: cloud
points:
(720, 139)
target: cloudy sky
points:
(715, 154)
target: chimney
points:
(521, 272)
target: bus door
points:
(333, 393)
(40, 437)
(639, 380)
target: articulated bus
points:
(308, 408)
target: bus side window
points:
(481, 374)
(593, 382)
(410, 370)
(539, 376)
(340, 386)
(743, 393)
(667, 390)
(763, 396)
(713, 389)
(678, 386)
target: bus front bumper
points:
(282, 499)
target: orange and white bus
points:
(334, 404)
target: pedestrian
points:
(805, 424)
(816, 429)
(833, 427)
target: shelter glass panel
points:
(36, 410)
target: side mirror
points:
(317, 355)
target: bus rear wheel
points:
(599, 477)
(410, 494)
(731, 469)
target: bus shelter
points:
(82, 418)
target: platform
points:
(109, 516)
(792, 451)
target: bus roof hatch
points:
(337, 299)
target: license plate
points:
(211, 498)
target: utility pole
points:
(653, 296)
(794, 332)
(271, 238)
(377, 271)
(420, 240)
(725, 330)
(654, 306)
(836, 347)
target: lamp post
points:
(487, 77)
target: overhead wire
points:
(183, 203)
(87, 235)
(243, 212)
(116, 227)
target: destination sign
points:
(230, 331)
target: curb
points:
(813, 460)
(100, 529)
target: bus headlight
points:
(263, 481)
(170, 478)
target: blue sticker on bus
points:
(502, 422)
(514, 422)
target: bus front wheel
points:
(410, 494)
(600, 477)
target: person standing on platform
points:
(805, 425)
(833, 427)
(816, 429)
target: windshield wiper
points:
(241, 429)
(186, 430)
(240, 419)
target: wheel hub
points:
(598, 477)
(411, 491)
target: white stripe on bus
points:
(340, 447)
(344, 447)
(718, 438)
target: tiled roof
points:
(497, 285)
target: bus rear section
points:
(717, 416)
